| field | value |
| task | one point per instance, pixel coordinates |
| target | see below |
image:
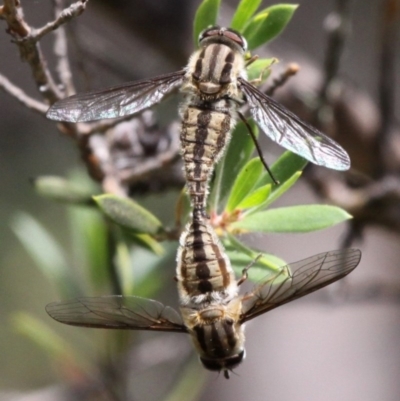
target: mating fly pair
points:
(213, 313)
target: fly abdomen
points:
(203, 271)
(206, 129)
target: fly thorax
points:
(213, 70)
(216, 332)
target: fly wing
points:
(298, 279)
(117, 312)
(118, 101)
(286, 129)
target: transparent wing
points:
(117, 101)
(286, 129)
(117, 312)
(298, 279)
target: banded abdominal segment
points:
(206, 130)
(204, 272)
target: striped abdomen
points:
(203, 270)
(209, 113)
(206, 130)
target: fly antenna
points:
(256, 144)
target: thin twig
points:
(29, 49)
(12, 12)
(337, 25)
(387, 79)
(278, 82)
(74, 10)
(61, 51)
(27, 39)
(21, 96)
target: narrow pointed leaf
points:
(40, 334)
(267, 261)
(124, 268)
(244, 183)
(268, 24)
(89, 237)
(148, 242)
(46, 252)
(61, 190)
(190, 385)
(283, 169)
(278, 191)
(244, 12)
(128, 214)
(206, 15)
(293, 219)
(256, 198)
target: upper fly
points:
(214, 85)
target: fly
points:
(212, 311)
(215, 86)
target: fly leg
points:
(261, 77)
(251, 60)
(260, 155)
(245, 275)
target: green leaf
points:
(278, 191)
(151, 273)
(238, 152)
(267, 261)
(90, 244)
(61, 190)
(260, 69)
(283, 169)
(268, 24)
(257, 272)
(241, 256)
(128, 214)
(43, 336)
(244, 12)
(190, 385)
(244, 183)
(206, 15)
(148, 242)
(293, 219)
(123, 264)
(46, 252)
(256, 198)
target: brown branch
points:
(74, 10)
(387, 80)
(12, 12)
(21, 96)
(30, 51)
(337, 25)
(27, 39)
(61, 51)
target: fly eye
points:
(211, 364)
(213, 31)
(236, 37)
(233, 361)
